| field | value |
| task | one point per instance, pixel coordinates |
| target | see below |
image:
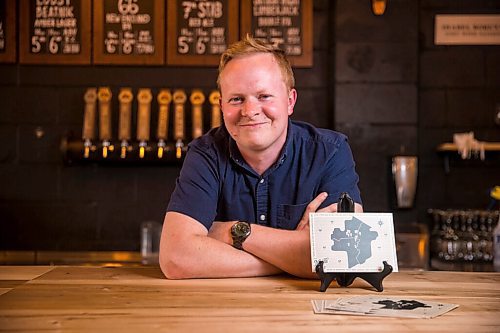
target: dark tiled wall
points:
(376, 91)
(398, 93)
(378, 79)
(459, 91)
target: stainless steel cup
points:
(404, 172)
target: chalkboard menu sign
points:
(55, 31)
(7, 30)
(129, 32)
(286, 24)
(199, 31)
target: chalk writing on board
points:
(129, 27)
(54, 27)
(278, 23)
(201, 27)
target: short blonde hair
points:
(250, 45)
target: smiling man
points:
(242, 201)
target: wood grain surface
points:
(140, 299)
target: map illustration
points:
(352, 242)
(355, 240)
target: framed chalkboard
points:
(7, 31)
(56, 31)
(284, 24)
(199, 31)
(129, 32)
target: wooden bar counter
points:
(140, 299)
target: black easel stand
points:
(346, 204)
(346, 279)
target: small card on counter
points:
(382, 306)
(352, 242)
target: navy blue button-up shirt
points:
(216, 184)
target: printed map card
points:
(352, 242)
(382, 306)
(390, 306)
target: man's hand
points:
(313, 207)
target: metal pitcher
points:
(404, 172)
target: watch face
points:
(241, 229)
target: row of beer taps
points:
(102, 96)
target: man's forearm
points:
(208, 258)
(187, 252)
(288, 250)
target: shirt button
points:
(262, 181)
(262, 217)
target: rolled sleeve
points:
(340, 174)
(197, 187)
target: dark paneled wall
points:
(378, 79)
(376, 73)
(398, 93)
(459, 91)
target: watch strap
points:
(238, 243)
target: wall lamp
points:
(378, 7)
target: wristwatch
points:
(240, 231)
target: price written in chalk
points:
(129, 32)
(54, 27)
(129, 27)
(201, 27)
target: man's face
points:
(256, 103)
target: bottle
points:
(496, 247)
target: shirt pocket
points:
(289, 215)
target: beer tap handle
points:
(88, 132)
(125, 98)
(214, 99)
(164, 100)
(144, 97)
(104, 96)
(197, 98)
(179, 98)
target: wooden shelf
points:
(450, 150)
(488, 146)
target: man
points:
(258, 176)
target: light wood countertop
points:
(140, 299)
